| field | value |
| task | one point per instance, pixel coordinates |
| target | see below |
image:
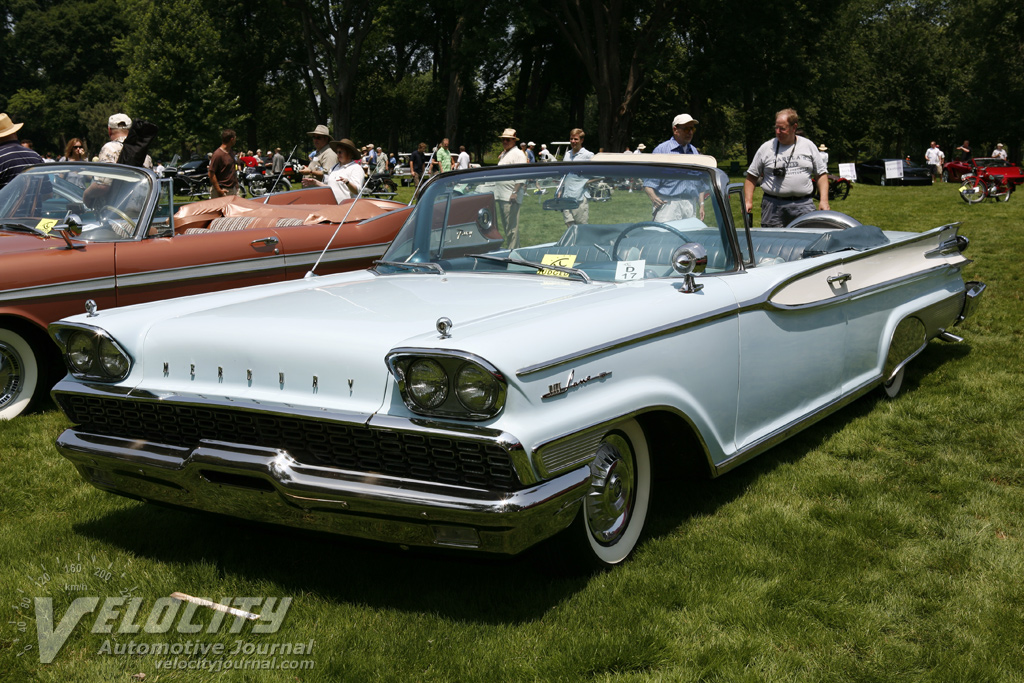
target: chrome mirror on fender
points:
(71, 227)
(689, 259)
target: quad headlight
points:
(90, 353)
(448, 383)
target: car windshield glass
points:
(590, 220)
(987, 162)
(107, 199)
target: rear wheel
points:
(972, 191)
(19, 374)
(945, 176)
(611, 520)
(842, 189)
(1003, 194)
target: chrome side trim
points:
(91, 286)
(880, 287)
(781, 434)
(646, 335)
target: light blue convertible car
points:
(535, 341)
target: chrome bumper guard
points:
(973, 291)
(268, 485)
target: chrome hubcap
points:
(10, 375)
(610, 500)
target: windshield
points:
(108, 199)
(597, 221)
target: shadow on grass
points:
(458, 585)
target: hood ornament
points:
(91, 309)
(444, 326)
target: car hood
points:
(322, 343)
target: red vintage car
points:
(954, 171)
(72, 232)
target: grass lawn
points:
(885, 543)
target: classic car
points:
(954, 171)
(873, 173)
(467, 392)
(132, 248)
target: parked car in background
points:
(873, 173)
(59, 249)
(462, 393)
(954, 171)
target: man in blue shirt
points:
(676, 199)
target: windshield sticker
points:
(630, 270)
(46, 225)
(561, 260)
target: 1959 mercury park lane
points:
(474, 392)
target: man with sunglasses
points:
(676, 199)
(788, 167)
(323, 161)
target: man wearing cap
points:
(117, 130)
(676, 199)
(323, 161)
(223, 179)
(509, 194)
(13, 157)
(531, 156)
(347, 177)
(999, 152)
(788, 166)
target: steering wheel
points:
(120, 214)
(646, 224)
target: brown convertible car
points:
(62, 244)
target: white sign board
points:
(630, 270)
(894, 169)
(848, 171)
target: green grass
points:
(882, 544)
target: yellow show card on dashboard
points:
(562, 260)
(46, 225)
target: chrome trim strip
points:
(872, 289)
(782, 433)
(90, 286)
(186, 273)
(646, 335)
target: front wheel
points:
(945, 176)
(972, 191)
(19, 374)
(1003, 195)
(611, 520)
(842, 189)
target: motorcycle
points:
(977, 187)
(256, 182)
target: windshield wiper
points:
(532, 264)
(412, 264)
(24, 228)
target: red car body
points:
(954, 171)
(137, 251)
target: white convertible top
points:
(681, 159)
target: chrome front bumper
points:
(268, 485)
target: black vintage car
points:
(873, 173)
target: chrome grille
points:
(342, 445)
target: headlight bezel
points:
(453, 363)
(86, 341)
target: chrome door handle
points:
(838, 279)
(265, 241)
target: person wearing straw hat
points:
(823, 152)
(324, 159)
(13, 157)
(509, 194)
(347, 177)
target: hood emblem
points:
(557, 389)
(444, 326)
(91, 309)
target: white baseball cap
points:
(682, 120)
